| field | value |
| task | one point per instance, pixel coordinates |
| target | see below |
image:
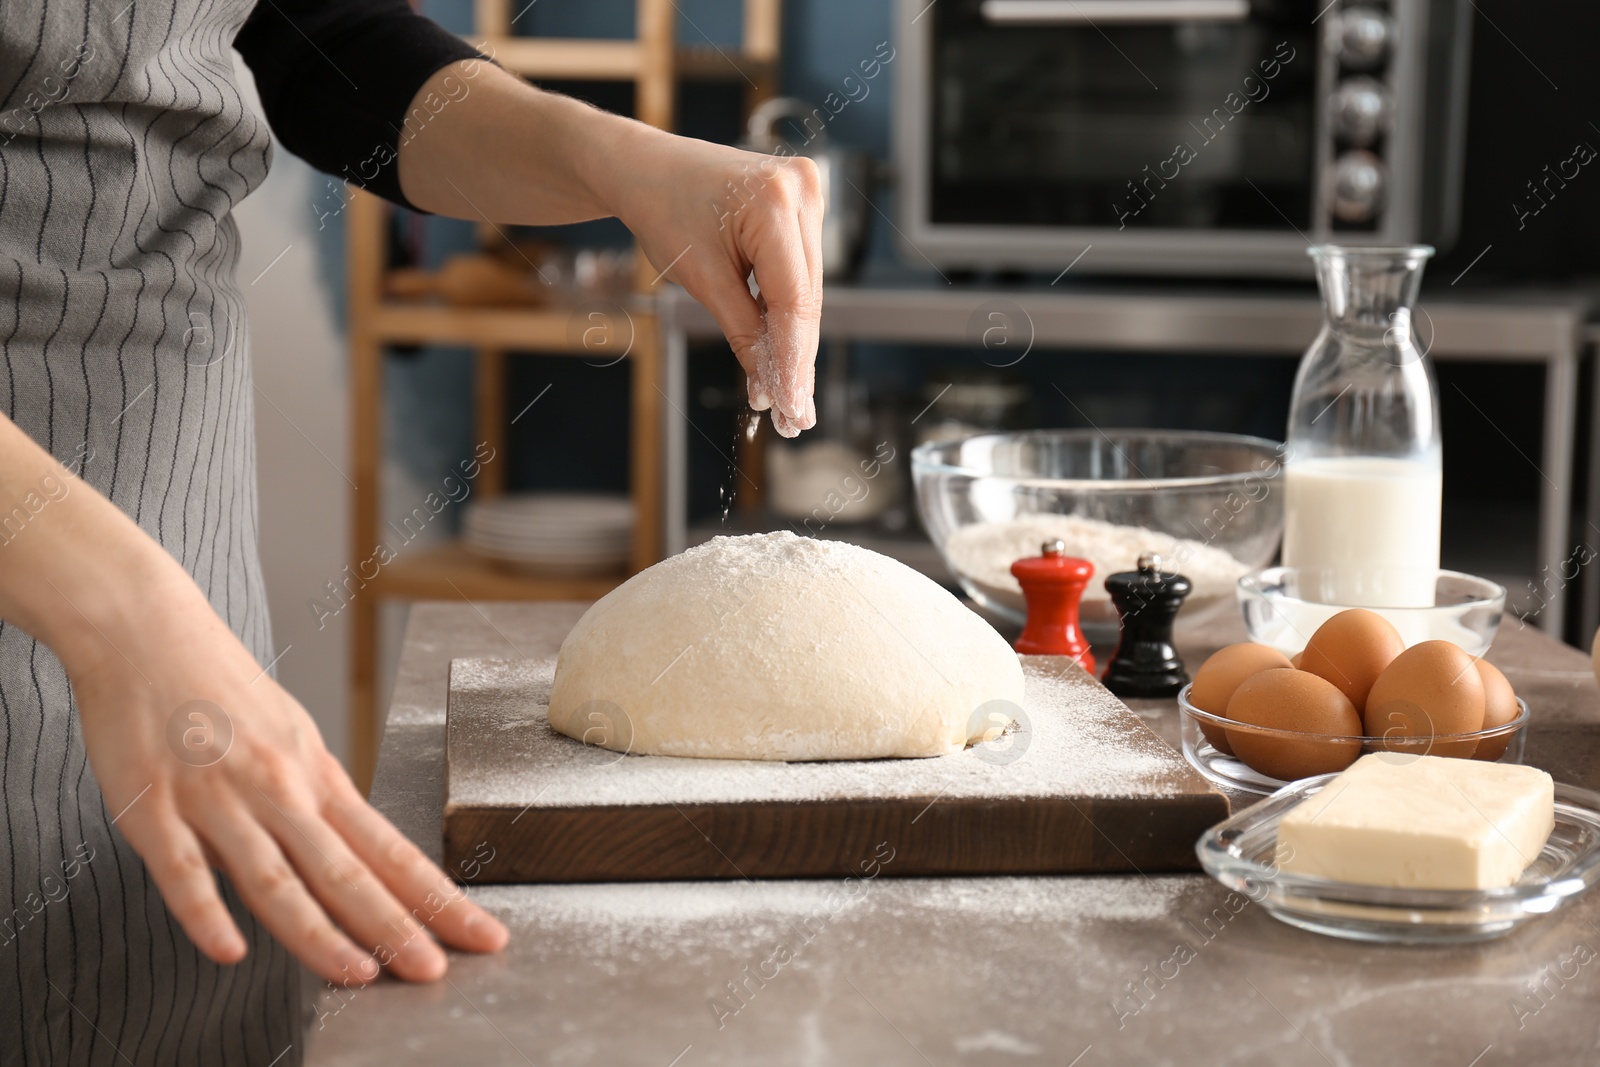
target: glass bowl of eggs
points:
(1207, 503)
(1255, 719)
(1282, 605)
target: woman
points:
(176, 835)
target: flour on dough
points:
(778, 647)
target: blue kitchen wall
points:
(429, 393)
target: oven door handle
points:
(1091, 12)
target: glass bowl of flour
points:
(1210, 504)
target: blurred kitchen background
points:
(1358, 137)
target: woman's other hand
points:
(203, 760)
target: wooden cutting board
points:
(1081, 785)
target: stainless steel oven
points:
(1175, 136)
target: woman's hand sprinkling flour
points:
(763, 218)
(707, 216)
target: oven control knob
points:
(1360, 111)
(1362, 36)
(1359, 183)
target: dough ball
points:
(778, 647)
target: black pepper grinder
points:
(1145, 663)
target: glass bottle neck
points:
(1365, 387)
(1367, 292)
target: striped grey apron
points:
(124, 143)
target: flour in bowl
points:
(983, 554)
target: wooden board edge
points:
(927, 837)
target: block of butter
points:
(1421, 822)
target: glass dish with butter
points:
(1365, 861)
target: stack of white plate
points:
(566, 533)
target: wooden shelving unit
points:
(655, 62)
(654, 57)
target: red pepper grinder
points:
(1053, 584)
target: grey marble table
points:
(1085, 971)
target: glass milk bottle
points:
(1363, 474)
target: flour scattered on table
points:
(1074, 899)
(996, 1041)
(972, 968)
(1073, 739)
(617, 919)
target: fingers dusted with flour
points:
(767, 220)
(788, 272)
(782, 239)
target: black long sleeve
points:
(337, 79)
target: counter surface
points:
(1072, 971)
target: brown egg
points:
(1220, 675)
(1499, 708)
(1351, 650)
(1431, 689)
(1294, 660)
(1287, 699)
